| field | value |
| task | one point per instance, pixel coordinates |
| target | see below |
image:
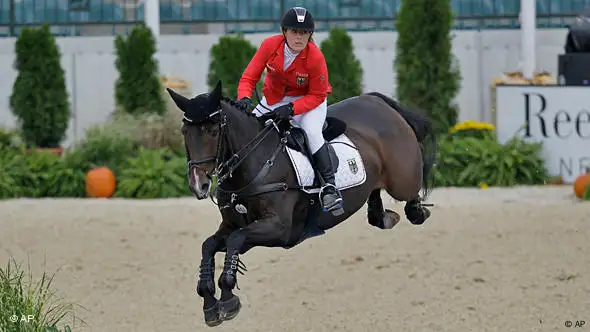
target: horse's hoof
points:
(229, 309)
(387, 219)
(212, 318)
(390, 219)
(420, 217)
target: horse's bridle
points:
(197, 163)
(224, 168)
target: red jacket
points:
(307, 76)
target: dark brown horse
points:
(267, 192)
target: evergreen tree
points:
(427, 75)
(39, 97)
(344, 69)
(138, 88)
(229, 58)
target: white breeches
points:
(311, 122)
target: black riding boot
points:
(331, 198)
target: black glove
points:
(244, 103)
(284, 112)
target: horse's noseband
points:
(197, 164)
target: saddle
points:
(331, 129)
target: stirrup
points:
(337, 203)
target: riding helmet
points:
(298, 18)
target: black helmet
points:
(298, 18)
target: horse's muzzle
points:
(199, 184)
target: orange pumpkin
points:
(582, 183)
(100, 183)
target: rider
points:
(296, 86)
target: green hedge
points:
(153, 173)
(145, 152)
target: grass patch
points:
(27, 306)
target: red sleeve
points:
(254, 70)
(318, 86)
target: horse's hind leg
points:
(416, 212)
(379, 217)
(206, 283)
(405, 185)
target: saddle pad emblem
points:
(353, 166)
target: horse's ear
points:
(217, 92)
(180, 100)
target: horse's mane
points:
(235, 104)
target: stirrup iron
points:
(337, 205)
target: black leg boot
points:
(330, 195)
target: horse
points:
(267, 190)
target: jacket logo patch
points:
(301, 78)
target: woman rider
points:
(296, 86)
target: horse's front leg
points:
(270, 232)
(206, 283)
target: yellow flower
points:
(483, 185)
(473, 125)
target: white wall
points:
(89, 63)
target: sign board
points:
(556, 116)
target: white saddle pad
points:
(350, 173)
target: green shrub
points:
(153, 131)
(102, 146)
(469, 161)
(428, 76)
(153, 174)
(15, 178)
(39, 97)
(138, 88)
(110, 144)
(586, 195)
(345, 71)
(229, 58)
(37, 174)
(56, 176)
(21, 297)
(41, 164)
(10, 139)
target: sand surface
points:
(487, 260)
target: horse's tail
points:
(422, 127)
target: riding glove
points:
(244, 103)
(284, 112)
